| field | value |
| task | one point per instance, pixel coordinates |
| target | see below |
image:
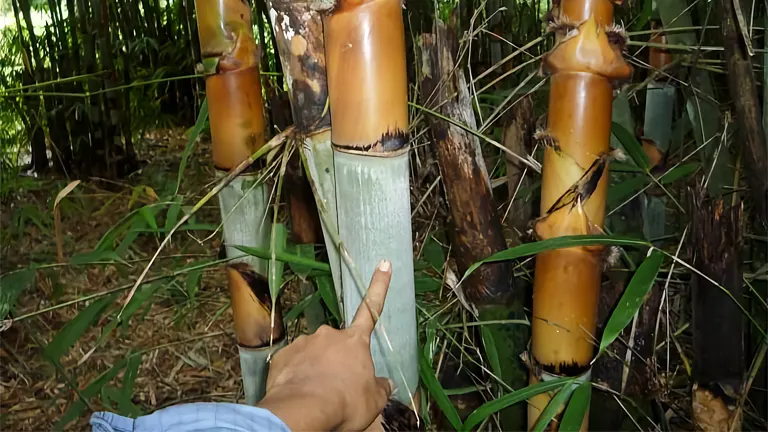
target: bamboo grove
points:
(575, 220)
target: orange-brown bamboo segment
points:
(233, 85)
(224, 28)
(367, 82)
(236, 116)
(584, 67)
(658, 58)
(252, 308)
(578, 11)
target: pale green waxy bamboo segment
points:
(319, 156)
(375, 224)
(659, 105)
(244, 205)
(254, 367)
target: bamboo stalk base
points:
(374, 224)
(254, 368)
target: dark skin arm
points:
(326, 381)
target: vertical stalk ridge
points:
(584, 65)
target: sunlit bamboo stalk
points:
(367, 87)
(233, 89)
(584, 65)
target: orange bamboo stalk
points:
(584, 66)
(233, 84)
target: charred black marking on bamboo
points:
(743, 89)
(259, 286)
(566, 369)
(718, 322)
(390, 142)
(303, 58)
(399, 417)
(583, 189)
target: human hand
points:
(326, 381)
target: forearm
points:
(301, 408)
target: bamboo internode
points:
(365, 48)
(585, 65)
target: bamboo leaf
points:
(556, 243)
(11, 286)
(491, 353)
(149, 216)
(425, 283)
(553, 407)
(172, 216)
(74, 329)
(125, 404)
(573, 417)
(679, 172)
(493, 406)
(64, 192)
(301, 307)
(78, 407)
(285, 257)
(631, 146)
(276, 266)
(328, 293)
(438, 393)
(194, 133)
(633, 297)
(302, 250)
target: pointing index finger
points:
(373, 304)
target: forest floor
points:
(189, 349)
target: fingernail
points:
(385, 265)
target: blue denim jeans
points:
(193, 417)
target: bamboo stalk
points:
(298, 30)
(367, 88)
(476, 225)
(584, 66)
(233, 88)
(657, 131)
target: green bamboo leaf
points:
(577, 407)
(11, 286)
(678, 172)
(142, 295)
(493, 406)
(556, 243)
(285, 257)
(300, 307)
(631, 146)
(553, 407)
(433, 253)
(277, 266)
(125, 405)
(303, 250)
(149, 216)
(325, 287)
(425, 283)
(74, 329)
(78, 407)
(491, 353)
(438, 393)
(194, 133)
(172, 216)
(633, 297)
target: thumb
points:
(385, 388)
